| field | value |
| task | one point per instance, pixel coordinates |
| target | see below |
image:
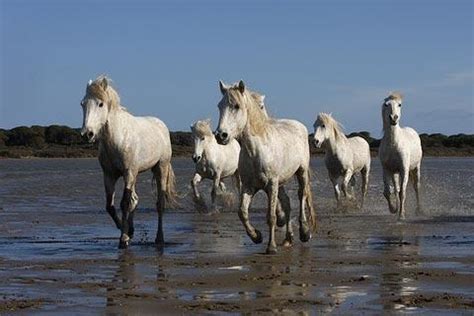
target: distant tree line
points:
(38, 137)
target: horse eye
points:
(101, 104)
(202, 138)
(237, 106)
(386, 104)
(323, 126)
(400, 105)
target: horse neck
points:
(210, 149)
(114, 128)
(249, 140)
(392, 132)
(333, 144)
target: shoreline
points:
(183, 153)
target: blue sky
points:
(307, 57)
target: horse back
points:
(360, 152)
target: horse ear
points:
(104, 83)
(241, 86)
(223, 87)
(90, 82)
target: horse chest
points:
(393, 160)
(205, 170)
(111, 159)
(334, 165)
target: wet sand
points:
(58, 250)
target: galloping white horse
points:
(272, 151)
(344, 156)
(400, 153)
(213, 161)
(128, 145)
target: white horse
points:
(213, 161)
(272, 151)
(400, 153)
(128, 145)
(344, 156)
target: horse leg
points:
(396, 186)
(272, 193)
(345, 183)
(109, 183)
(160, 173)
(303, 182)
(128, 204)
(237, 181)
(415, 174)
(365, 183)
(222, 187)
(352, 183)
(198, 200)
(245, 199)
(403, 190)
(280, 213)
(284, 202)
(215, 186)
(194, 184)
(387, 178)
(337, 191)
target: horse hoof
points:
(271, 250)
(257, 239)
(393, 210)
(159, 240)
(305, 234)
(287, 243)
(123, 244)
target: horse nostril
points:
(224, 135)
(90, 135)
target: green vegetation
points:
(63, 141)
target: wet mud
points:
(59, 249)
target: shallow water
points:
(58, 248)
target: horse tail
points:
(310, 205)
(170, 188)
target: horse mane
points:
(259, 98)
(101, 88)
(257, 119)
(202, 128)
(394, 96)
(331, 123)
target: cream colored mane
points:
(394, 96)
(258, 120)
(202, 128)
(331, 123)
(102, 89)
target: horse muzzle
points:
(317, 143)
(196, 158)
(222, 137)
(89, 135)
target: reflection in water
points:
(403, 255)
(136, 278)
(124, 280)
